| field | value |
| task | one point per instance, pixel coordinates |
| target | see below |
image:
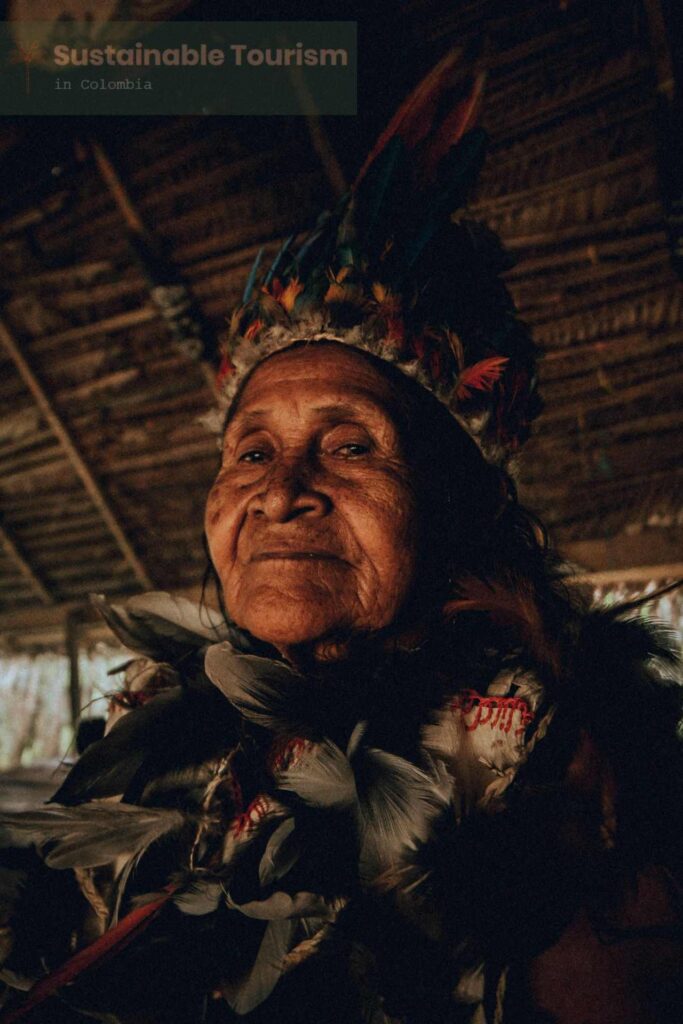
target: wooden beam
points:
(117, 189)
(572, 409)
(650, 554)
(588, 178)
(646, 427)
(120, 322)
(74, 456)
(167, 289)
(12, 550)
(623, 345)
(587, 256)
(42, 620)
(638, 574)
(647, 213)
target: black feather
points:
(175, 729)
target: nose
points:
(289, 492)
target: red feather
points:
(480, 376)
(108, 944)
(224, 370)
(453, 127)
(414, 118)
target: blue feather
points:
(324, 232)
(249, 287)
(278, 260)
(346, 256)
(309, 243)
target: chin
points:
(286, 623)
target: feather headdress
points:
(391, 271)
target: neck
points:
(340, 649)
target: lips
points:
(297, 555)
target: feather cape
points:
(256, 824)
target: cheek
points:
(391, 546)
(220, 520)
(385, 529)
(214, 511)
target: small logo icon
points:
(27, 55)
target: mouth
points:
(297, 556)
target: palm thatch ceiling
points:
(103, 465)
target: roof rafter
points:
(73, 454)
(13, 551)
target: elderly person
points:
(402, 768)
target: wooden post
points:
(72, 635)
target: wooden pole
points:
(71, 638)
(12, 550)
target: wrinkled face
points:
(311, 519)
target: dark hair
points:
(472, 523)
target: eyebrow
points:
(339, 409)
(255, 414)
(251, 421)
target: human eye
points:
(252, 450)
(352, 450)
(253, 456)
(347, 442)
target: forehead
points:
(314, 374)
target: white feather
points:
(323, 777)
(399, 802)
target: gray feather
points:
(202, 896)
(323, 777)
(160, 625)
(394, 801)
(281, 853)
(278, 940)
(398, 804)
(281, 904)
(91, 834)
(257, 687)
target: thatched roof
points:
(103, 466)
